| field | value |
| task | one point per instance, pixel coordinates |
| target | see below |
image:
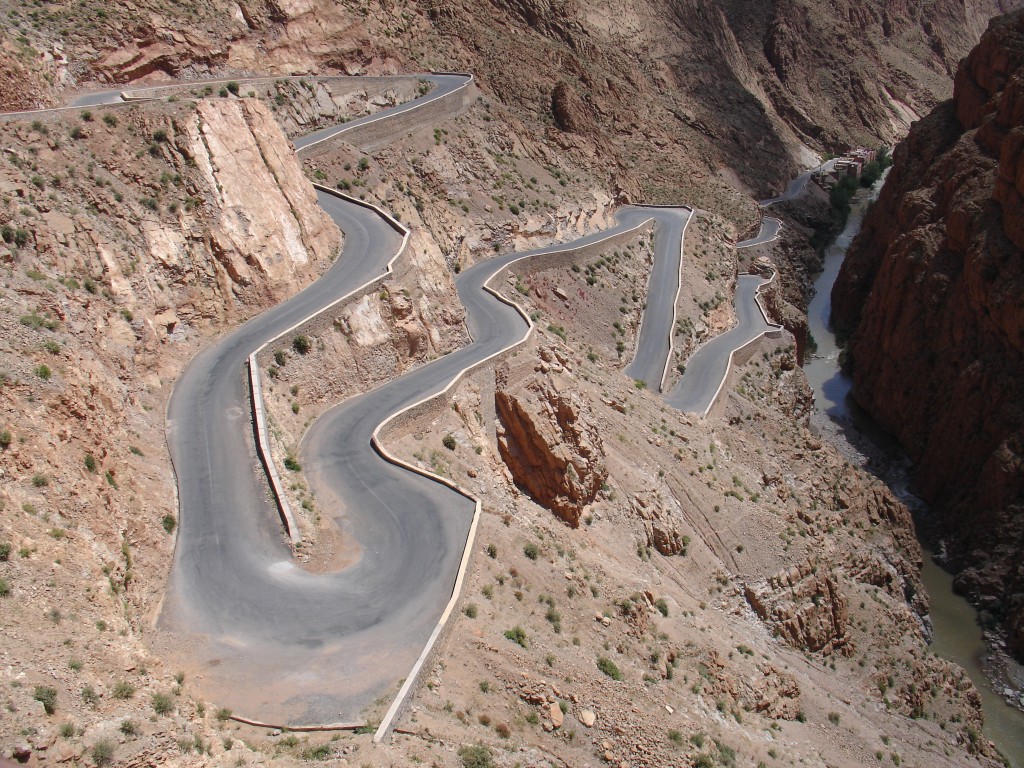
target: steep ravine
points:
(930, 299)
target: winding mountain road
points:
(304, 648)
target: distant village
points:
(849, 164)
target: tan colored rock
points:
(269, 226)
(555, 712)
(588, 718)
(803, 604)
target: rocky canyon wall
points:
(930, 295)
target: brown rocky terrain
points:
(929, 295)
(734, 591)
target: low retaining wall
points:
(775, 331)
(566, 258)
(372, 134)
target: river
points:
(957, 635)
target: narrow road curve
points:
(708, 367)
(302, 648)
(654, 342)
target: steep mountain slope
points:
(666, 99)
(930, 293)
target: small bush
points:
(110, 119)
(476, 756)
(5, 587)
(5, 438)
(223, 714)
(169, 523)
(662, 607)
(301, 344)
(162, 703)
(448, 441)
(5, 552)
(90, 462)
(67, 730)
(503, 730)
(470, 611)
(517, 635)
(43, 372)
(123, 690)
(291, 464)
(492, 551)
(833, 717)
(40, 481)
(103, 752)
(89, 696)
(233, 87)
(609, 667)
(46, 696)
(320, 752)
(531, 551)
(128, 728)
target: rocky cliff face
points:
(930, 295)
(653, 97)
(550, 442)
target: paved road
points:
(769, 231)
(654, 346)
(234, 589)
(708, 366)
(297, 647)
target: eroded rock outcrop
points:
(268, 223)
(548, 438)
(930, 293)
(804, 605)
(662, 518)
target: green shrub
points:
(609, 667)
(531, 551)
(301, 344)
(517, 635)
(5, 587)
(162, 703)
(169, 523)
(292, 464)
(46, 696)
(5, 438)
(103, 752)
(476, 756)
(123, 690)
(319, 752)
(43, 372)
(233, 87)
(128, 728)
(89, 696)
(90, 462)
(67, 730)
(470, 611)
(110, 119)
(40, 481)
(662, 606)
(5, 552)
(448, 441)
(223, 714)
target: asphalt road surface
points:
(708, 366)
(769, 231)
(294, 647)
(655, 342)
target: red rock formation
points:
(931, 296)
(550, 443)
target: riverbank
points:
(955, 633)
